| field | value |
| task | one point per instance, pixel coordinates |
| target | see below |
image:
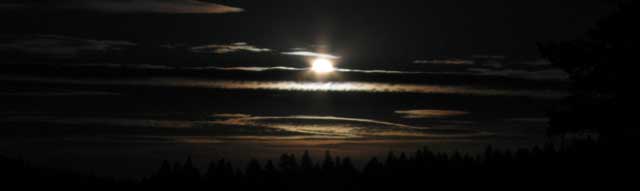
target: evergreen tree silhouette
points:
(254, 173)
(210, 175)
(165, 170)
(328, 162)
(373, 167)
(254, 168)
(270, 168)
(305, 162)
(189, 171)
(288, 163)
(593, 63)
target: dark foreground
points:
(579, 164)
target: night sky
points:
(93, 84)
(355, 28)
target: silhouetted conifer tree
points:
(328, 162)
(165, 170)
(306, 163)
(210, 175)
(593, 63)
(189, 171)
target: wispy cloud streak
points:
(343, 127)
(304, 86)
(61, 46)
(430, 113)
(228, 48)
(311, 54)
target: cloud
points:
(302, 86)
(60, 46)
(224, 127)
(529, 120)
(311, 54)
(248, 68)
(493, 64)
(126, 6)
(453, 61)
(228, 48)
(540, 62)
(548, 74)
(379, 71)
(11, 5)
(429, 113)
(490, 57)
(57, 93)
(342, 127)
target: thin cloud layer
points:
(228, 48)
(128, 6)
(311, 54)
(57, 93)
(342, 127)
(10, 5)
(429, 113)
(546, 74)
(61, 46)
(303, 86)
(539, 62)
(490, 57)
(445, 61)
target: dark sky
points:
(126, 82)
(394, 29)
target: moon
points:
(322, 66)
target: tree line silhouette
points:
(575, 162)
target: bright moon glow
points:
(322, 66)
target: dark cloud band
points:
(120, 6)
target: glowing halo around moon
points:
(322, 66)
